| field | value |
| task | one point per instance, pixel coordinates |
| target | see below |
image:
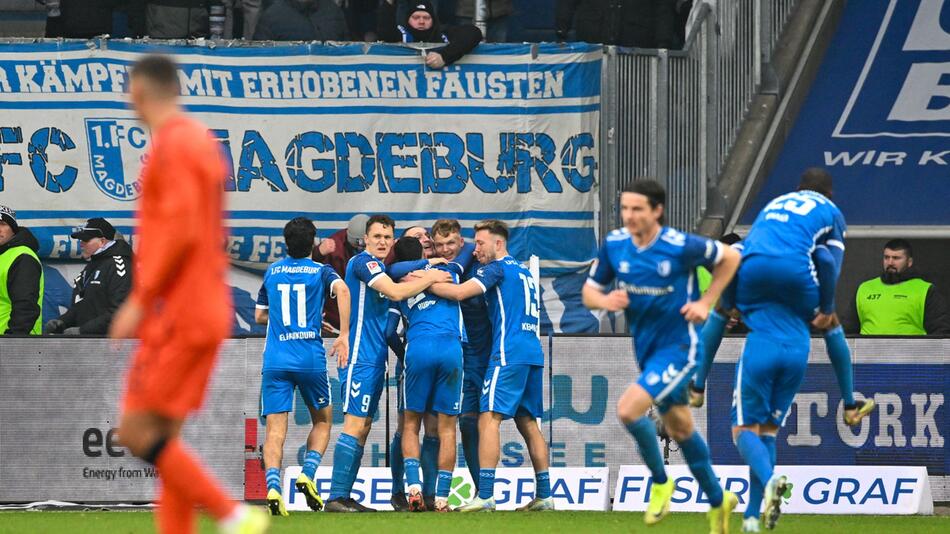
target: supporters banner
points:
(327, 131)
(877, 117)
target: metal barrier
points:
(675, 115)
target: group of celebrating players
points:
(472, 356)
(471, 346)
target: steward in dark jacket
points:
(98, 291)
(301, 20)
(422, 26)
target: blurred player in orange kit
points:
(180, 306)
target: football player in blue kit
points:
(655, 269)
(780, 291)
(476, 349)
(514, 380)
(431, 380)
(290, 303)
(362, 378)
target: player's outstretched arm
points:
(457, 292)
(341, 347)
(697, 311)
(403, 290)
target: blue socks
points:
(840, 356)
(542, 487)
(430, 464)
(757, 488)
(756, 456)
(644, 432)
(711, 335)
(486, 483)
(346, 455)
(468, 425)
(396, 464)
(412, 472)
(311, 462)
(444, 485)
(697, 456)
(273, 479)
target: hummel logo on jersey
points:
(486, 386)
(670, 374)
(653, 379)
(321, 400)
(355, 389)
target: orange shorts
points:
(169, 379)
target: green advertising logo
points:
(461, 492)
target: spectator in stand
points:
(497, 17)
(361, 19)
(422, 26)
(103, 284)
(250, 12)
(336, 252)
(637, 23)
(900, 302)
(176, 19)
(301, 20)
(21, 278)
(79, 19)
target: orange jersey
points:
(180, 263)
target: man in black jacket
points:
(301, 20)
(637, 23)
(172, 19)
(21, 278)
(422, 26)
(102, 285)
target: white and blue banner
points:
(327, 131)
(877, 117)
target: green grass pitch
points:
(563, 522)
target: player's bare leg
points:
(632, 410)
(447, 448)
(275, 434)
(538, 451)
(412, 422)
(317, 441)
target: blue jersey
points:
(792, 225)
(293, 293)
(659, 278)
(429, 315)
(368, 312)
(514, 307)
(474, 310)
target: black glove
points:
(53, 326)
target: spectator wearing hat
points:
(103, 284)
(21, 278)
(422, 26)
(336, 252)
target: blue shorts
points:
(665, 375)
(768, 376)
(475, 363)
(277, 390)
(763, 281)
(513, 390)
(361, 386)
(432, 379)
